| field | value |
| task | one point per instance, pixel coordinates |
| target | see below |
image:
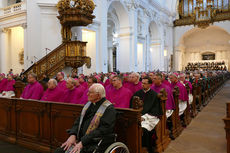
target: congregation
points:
(120, 88)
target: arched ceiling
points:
(212, 35)
(170, 5)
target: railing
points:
(70, 53)
(12, 9)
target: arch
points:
(155, 46)
(121, 12)
(196, 43)
(196, 30)
(154, 30)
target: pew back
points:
(42, 126)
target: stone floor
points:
(206, 133)
(10, 148)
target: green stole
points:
(96, 119)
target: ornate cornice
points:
(160, 8)
(4, 30)
(131, 4)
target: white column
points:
(133, 39)
(110, 58)
(103, 49)
(3, 51)
(27, 62)
(124, 54)
(177, 60)
(155, 56)
(148, 61)
(3, 3)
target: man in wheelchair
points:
(94, 127)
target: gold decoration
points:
(202, 14)
(74, 13)
(21, 56)
(69, 53)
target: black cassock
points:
(151, 102)
(152, 106)
(105, 128)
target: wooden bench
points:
(187, 113)
(42, 126)
(175, 118)
(227, 126)
(162, 132)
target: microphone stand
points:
(47, 60)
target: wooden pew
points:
(177, 127)
(187, 113)
(8, 120)
(33, 124)
(193, 107)
(227, 126)
(204, 93)
(42, 126)
(198, 95)
(19, 87)
(162, 132)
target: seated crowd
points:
(113, 88)
(206, 66)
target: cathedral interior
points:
(108, 41)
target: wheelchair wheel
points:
(117, 147)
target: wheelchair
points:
(115, 147)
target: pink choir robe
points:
(81, 90)
(106, 83)
(183, 95)
(33, 91)
(126, 84)
(62, 85)
(84, 97)
(166, 83)
(101, 83)
(10, 85)
(134, 87)
(170, 104)
(3, 84)
(52, 95)
(119, 97)
(108, 88)
(84, 84)
(72, 96)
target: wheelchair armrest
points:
(68, 130)
(106, 137)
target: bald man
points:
(97, 120)
(53, 93)
(72, 94)
(135, 84)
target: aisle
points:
(206, 133)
